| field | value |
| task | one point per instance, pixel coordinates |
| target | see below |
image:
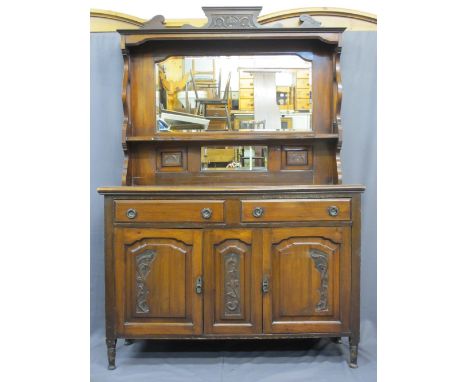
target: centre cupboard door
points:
(156, 274)
(308, 273)
(232, 263)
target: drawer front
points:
(302, 83)
(246, 93)
(303, 93)
(302, 104)
(248, 75)
(290, 210)
(302, 74)
(169, 211)
(246, 83)
(246, 104)
(215, 112)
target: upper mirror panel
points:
(234, 93)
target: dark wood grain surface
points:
(231, 254)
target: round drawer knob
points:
(333, 211)
(206, 213)
(131, 213)
(258, 212)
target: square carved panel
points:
(171, 159)
(296, 157)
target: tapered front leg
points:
(353, 352)
(111, 342)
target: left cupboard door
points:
(156, 276)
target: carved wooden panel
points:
(296, 158)
(172, 159)
(232, 273)
(232, 17)
(305, 282)
(157, 270)
(232, 283)
(321, 264)
(143, 264)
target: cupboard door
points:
(308, 272)
(156, 272)
(233, 272)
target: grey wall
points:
(106, 152)
(359, 152)
(358, 155)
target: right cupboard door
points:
(307, 272)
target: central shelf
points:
(229, 136)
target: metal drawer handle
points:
(131, 213)
(258, 212)
(206, 213)
(333, 211)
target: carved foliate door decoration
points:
(304, 280)
(143, 264)
(232, 284)
(321, 264)
(232, 274)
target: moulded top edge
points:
(195, 31)
(230, 189)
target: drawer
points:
(302, 83)
(169, 211)
(246, 93)
(302, 104)
(215, 112)
(246, 83)
(246, 104)
(303, 93)
(247, 75)
(302, 74)
(290, 210)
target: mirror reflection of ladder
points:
(220, 103)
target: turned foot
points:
(336, 340)
(353, 353)
(111, 342)
(128, 341)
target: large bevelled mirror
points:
(234, 93)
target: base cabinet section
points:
(267, 279)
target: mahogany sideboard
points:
(232, 220)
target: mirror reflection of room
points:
(234, 158)
(234, 93)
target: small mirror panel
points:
(234, 158)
